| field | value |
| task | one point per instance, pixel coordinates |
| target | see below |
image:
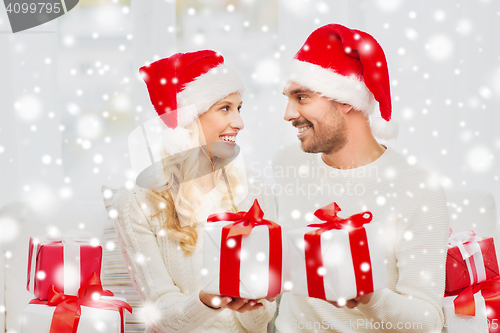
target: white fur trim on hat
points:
(330, 84)
(383, 129)
(207, 89)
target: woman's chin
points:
(223, 150)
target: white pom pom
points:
(153, 177)
(186, 115)
(176, 140)
(384, 130)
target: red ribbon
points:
(359, 249)
(465, 238)
(464, 302)
(230, 262)
(68, 307)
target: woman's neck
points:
(206, 180)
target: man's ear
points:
(346, 108)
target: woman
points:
(161, 229)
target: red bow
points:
(243, 224)
(68, 307)
(464, 303)
(359, 249)
(332, 221)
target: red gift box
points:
(65, 262)
(471, 259)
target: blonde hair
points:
(182, 209)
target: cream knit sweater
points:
(168, 281)
(412, 212)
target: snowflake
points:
(408, 235)
(295, 214)
(479, 159)
(388, 5)
(28, 108)
(10, 229)
(440, 47)
(411, 34)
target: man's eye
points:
(301, 97)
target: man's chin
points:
(307, 148)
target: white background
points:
(70, 94)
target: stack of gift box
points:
(472, 293)
(248, 256)
(115, 275)
(336, 259)
(116, 278)
(64, 276)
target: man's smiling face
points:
(319, 121)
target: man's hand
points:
(352, 303)
(233, 303)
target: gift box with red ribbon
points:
(471, 259)
(473, 309)
(243, 255)
(337, 259)
(65, 262)
(93, 310)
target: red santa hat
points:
(183, 87)
(348, 66)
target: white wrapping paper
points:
(37, 318)
(339, 279)
(254, 267)
(455, 323)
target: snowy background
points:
(70, 94)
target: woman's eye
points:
(225, 108)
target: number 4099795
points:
(40, 7)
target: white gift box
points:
(254, 261)
(456, 323)
(338, 271)
(37, 318)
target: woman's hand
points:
(352, 303)
(233, 303)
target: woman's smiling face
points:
(220, 126)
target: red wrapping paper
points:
(457, 273)
(50, 261)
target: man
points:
(334, 81)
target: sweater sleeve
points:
(421, 257)
(166, 309)
(257, 320)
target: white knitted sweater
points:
(414, 221)
(168, 281)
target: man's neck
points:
(354, 154)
